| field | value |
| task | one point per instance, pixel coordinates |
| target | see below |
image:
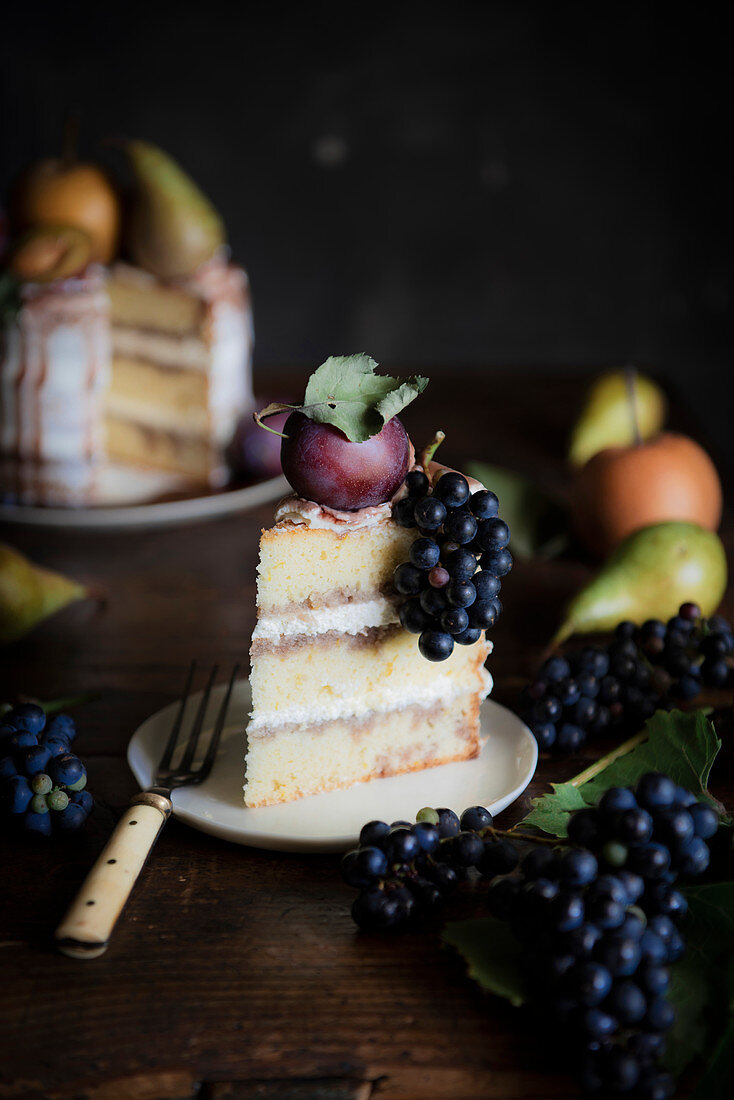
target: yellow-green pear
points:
(609, 419)
(29, 593)
(172, 228)
(649, 576)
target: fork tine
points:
(165, 762)
(211, 752)
(193, 740)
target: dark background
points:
(508, 184)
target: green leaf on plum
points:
(493, 955)
(346, 392)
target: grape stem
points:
(430, 449)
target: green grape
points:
(41, 784)
(615, 853)
(58, 800)
(39, 805)
(427, 814)
(79, 785)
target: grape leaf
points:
(683, 745)
(717, 1082)
(689, 993)
(346, 392)
(494, 957)
(551, 811)
(697, 988)
(538, 524)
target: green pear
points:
(29, 593)
(608, 418)
(649, 576)
(172, 227)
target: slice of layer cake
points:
(340, 692)
(342, 689)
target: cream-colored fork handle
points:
(85, 931)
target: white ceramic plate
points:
(331, 822)
(151, 515)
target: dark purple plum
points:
(323, 465)
(253, 452)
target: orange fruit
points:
(622, 489)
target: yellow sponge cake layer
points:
(316, 678)
(316, 567)
(293, 762)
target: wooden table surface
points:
(238, 973)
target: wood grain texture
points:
(237, 972)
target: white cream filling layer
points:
(347, 618)
(442, 689)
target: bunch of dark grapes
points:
(452, 582)
(404, 871)
(599, 921)
(598, 915)
(41, 782)
(617, 687)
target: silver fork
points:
(85, 931)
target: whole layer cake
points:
(122, 386)
(340, 693)
(119, 382)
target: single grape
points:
(37, 823)
(469, 636)
(545, 734)
(484, 504)
(429, 815)
(427, 834)
(39, 804)
(57, 800)
(461, 564)
(429, 513)
(627, 1002)
(408, 580)
(417, 484)
(461, 593)
(577, 867)
(374, 910)
(434, 602)
(402, 845)
(499, 562)
(413, 618)
(41, 783)
(424, 553)
(435, 645)
(455, 620)
(461, 527)
(493, 534)
(590, 982)
(66, 769)
(452, 488)
(438, 577)
(616, 799)
(26, 716)
(448, 822)
(15, 794)
(500, 857)
(467, 849)
(705, 820)
(486, 585)
(403, 512)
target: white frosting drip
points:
(307, 513)
(441, 689)
(55, 369)
(347, 618)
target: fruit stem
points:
(604, 761)
(513, 835)
(272, 410)
(430, 449)
(630, 377)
